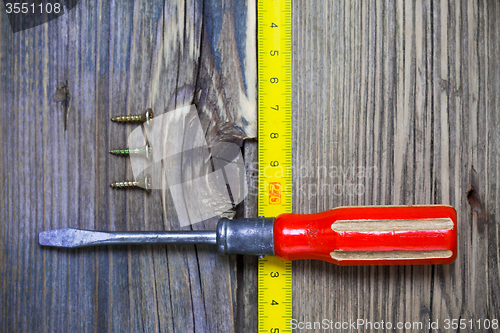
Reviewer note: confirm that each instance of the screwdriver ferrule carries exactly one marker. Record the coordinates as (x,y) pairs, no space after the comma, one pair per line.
(253,236)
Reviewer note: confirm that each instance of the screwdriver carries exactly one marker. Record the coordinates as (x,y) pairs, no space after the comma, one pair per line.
(346,236)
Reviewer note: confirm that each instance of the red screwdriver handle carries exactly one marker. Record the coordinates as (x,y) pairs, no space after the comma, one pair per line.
(370,235)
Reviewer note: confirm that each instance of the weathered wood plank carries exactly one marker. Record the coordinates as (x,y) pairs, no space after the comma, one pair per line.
(400,99)
(247,319)
(61,82)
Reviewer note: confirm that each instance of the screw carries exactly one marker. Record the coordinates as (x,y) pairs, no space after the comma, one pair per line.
(144,183)
(146,151)
(139,118)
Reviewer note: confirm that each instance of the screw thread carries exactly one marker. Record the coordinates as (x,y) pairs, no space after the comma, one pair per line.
(128,118)
(145,151)
(144,183)
(120,152)
(135,118)
(126,184)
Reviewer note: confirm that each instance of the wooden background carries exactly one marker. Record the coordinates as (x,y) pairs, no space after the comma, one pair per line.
(395,102)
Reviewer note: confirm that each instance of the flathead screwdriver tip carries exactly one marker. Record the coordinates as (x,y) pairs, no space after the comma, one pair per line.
(71,238)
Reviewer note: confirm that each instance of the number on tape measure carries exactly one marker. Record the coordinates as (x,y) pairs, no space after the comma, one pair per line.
(275,155)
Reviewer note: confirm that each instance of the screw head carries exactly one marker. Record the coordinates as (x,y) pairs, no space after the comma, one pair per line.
(148,115)
(145,182)
(148,151)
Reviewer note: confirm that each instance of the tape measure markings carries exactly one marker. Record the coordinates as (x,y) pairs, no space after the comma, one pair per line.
(275,125)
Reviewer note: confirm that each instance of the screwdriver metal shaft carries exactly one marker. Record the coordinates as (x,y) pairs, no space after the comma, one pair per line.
(74,238)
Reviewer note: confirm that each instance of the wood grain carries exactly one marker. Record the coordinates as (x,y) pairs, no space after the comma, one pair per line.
(396,102)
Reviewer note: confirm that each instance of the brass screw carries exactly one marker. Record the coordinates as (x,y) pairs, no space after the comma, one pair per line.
(139,118)
(144,183)
(146,151)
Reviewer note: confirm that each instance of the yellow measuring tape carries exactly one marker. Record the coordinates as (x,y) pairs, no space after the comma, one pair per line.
(275,154)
